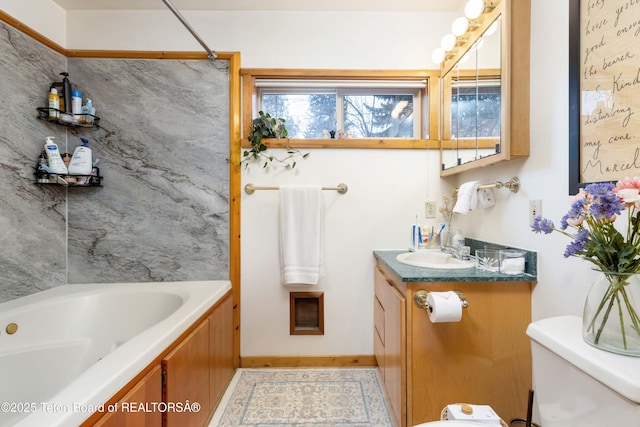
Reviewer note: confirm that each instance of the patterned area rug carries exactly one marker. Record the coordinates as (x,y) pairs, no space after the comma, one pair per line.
(303,397)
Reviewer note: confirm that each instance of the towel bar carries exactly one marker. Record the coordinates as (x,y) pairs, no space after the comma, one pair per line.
(251,188)
(513,184)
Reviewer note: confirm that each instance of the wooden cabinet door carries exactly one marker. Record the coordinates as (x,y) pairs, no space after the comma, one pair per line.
(221,349)
(395,353)
(148,390)
(187,379)
(380,283)
(378,332)
(485,358)
(395,361)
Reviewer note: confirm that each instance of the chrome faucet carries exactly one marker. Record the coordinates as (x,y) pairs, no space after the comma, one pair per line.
(449,250)
(459,252)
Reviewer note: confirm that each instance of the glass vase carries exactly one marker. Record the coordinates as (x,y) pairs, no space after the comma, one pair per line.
(610,319)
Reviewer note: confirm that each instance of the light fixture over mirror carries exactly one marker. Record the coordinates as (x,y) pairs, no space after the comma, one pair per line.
(474,8)
(448,42)
(438,55)
(459,28)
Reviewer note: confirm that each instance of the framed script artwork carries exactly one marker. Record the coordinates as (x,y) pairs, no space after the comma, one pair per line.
(604,91)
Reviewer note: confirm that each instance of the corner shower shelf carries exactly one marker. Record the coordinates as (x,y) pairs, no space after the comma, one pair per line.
(43,114)
(45,178)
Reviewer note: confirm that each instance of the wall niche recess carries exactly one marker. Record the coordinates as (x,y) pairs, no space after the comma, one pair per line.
(306,313)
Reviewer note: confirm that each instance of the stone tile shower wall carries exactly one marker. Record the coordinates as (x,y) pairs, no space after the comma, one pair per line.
(32,218)
(163,146)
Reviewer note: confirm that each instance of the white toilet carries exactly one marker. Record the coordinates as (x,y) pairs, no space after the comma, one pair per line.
(451,424)
(466,423)
(578,385)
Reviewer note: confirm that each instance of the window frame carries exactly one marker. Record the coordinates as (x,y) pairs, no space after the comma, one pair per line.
(430,102)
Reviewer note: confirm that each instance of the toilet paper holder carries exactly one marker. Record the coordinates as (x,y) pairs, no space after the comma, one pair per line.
(420,299)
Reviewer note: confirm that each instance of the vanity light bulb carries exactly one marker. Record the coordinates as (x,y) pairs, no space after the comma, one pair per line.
(460,26)
(438,56)
(448,42)
(474,8)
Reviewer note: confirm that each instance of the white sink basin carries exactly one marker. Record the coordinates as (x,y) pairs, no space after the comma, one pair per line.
(434,259)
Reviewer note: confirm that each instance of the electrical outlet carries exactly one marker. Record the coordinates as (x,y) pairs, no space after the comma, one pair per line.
(430,209)
(535,209)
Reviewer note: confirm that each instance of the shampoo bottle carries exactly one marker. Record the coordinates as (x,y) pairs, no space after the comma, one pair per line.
(81,160)
(54,105)
(60,90)
(53,156)
(76,104)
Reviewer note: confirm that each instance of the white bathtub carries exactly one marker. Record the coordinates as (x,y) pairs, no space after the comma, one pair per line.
(77,345)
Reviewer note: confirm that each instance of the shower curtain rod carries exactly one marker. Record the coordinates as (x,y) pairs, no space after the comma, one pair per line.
(212,55)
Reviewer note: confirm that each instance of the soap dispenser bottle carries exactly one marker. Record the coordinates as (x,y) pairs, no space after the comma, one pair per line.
(458,239)
(88,112)
(53,156)
(66,92)
(66,98)
(81,160)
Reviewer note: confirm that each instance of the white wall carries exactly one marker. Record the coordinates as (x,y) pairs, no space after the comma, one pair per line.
(44,16)
(386,187)
(269,39)
(562,283)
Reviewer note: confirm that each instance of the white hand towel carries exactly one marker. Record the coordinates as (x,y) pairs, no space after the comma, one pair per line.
(300,232)
(486,198)
(467,197)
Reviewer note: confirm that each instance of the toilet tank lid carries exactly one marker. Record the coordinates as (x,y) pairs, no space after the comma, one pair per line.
(451,424)
(563,336)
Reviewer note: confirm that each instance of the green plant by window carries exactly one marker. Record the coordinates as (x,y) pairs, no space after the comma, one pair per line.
(265,126)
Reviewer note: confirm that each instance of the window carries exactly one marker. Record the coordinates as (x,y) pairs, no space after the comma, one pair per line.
(314,112)
(391,108)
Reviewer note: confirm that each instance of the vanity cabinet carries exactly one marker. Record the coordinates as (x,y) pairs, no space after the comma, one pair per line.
(483,359)
(389,342)
(195,369)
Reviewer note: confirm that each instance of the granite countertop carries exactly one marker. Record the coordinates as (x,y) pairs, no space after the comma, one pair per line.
(409,273)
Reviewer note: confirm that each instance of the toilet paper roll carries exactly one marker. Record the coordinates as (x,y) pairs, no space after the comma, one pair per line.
(444,307)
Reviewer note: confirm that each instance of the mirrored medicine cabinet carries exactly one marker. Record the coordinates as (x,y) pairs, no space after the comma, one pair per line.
(484,90)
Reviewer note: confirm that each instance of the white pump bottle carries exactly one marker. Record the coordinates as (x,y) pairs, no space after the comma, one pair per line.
(54,158)
(81,160)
